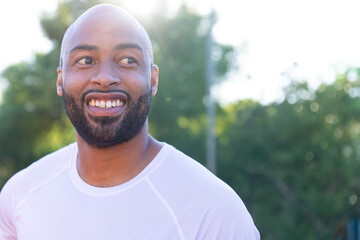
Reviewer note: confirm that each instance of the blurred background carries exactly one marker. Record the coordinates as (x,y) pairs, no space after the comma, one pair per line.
(264,93)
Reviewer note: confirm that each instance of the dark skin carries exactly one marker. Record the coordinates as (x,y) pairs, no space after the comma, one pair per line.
(92,60)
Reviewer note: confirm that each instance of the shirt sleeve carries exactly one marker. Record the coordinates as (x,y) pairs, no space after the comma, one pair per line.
(7,208)
(228,219)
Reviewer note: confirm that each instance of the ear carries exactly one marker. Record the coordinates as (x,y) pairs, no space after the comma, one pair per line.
(59,82)
(154,79)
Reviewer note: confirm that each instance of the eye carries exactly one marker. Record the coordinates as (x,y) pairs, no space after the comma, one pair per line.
(86,61)
(127,61)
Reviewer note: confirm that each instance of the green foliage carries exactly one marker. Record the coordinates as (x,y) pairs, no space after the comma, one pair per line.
(32,113)
(179,49)
(295,164)
(55,25)
(29,110)
(32,116)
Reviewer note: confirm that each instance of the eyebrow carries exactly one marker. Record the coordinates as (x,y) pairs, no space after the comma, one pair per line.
(122,46)
(84,47)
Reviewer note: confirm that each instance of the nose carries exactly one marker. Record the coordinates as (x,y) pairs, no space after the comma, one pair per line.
(105,75)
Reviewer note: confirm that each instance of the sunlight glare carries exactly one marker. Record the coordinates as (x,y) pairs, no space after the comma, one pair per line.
(141,8)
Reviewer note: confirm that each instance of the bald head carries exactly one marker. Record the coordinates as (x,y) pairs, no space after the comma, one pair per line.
(105,19)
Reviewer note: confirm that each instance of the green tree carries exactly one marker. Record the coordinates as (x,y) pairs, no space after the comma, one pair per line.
(34,122)
(178,113)
(295,163)
(33,116)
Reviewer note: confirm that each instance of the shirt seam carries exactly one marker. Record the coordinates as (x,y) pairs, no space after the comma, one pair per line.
(110,193)
(172,214)
(7,229)
(39,185)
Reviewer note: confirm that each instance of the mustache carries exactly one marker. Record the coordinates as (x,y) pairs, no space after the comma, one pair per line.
(102,91)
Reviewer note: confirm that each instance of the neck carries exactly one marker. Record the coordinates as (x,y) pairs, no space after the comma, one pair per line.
(107,167)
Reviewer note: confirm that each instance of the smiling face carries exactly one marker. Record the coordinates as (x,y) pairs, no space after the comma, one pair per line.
(106,76)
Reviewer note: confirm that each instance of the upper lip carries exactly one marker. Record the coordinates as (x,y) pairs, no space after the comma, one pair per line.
(106,96)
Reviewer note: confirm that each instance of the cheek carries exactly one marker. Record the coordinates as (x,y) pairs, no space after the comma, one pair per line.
(137,82)
(74,81)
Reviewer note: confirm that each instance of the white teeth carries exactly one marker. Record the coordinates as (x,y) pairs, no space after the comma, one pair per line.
(92,103)
(105,104)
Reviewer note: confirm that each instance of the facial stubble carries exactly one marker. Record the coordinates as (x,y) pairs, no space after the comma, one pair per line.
(103,132)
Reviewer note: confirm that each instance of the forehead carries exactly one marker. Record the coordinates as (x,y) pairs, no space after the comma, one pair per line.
(105,29)
(103,35)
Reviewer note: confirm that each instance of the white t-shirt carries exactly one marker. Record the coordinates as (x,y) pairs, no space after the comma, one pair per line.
(174,197)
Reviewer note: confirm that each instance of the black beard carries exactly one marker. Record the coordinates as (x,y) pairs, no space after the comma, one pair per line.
(108,131)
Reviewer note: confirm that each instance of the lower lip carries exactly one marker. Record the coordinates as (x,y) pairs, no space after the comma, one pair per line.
(105,112)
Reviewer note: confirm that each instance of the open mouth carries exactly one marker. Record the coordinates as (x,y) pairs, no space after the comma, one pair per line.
(106,103)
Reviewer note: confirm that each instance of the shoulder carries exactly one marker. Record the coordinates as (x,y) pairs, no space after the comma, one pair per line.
(42,169)
(23,182)
(182,171)
(199,197)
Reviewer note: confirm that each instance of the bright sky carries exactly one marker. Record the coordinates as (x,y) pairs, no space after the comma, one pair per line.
(321,37)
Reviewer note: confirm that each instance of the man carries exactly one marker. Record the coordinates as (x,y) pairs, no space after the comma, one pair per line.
(116,181)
